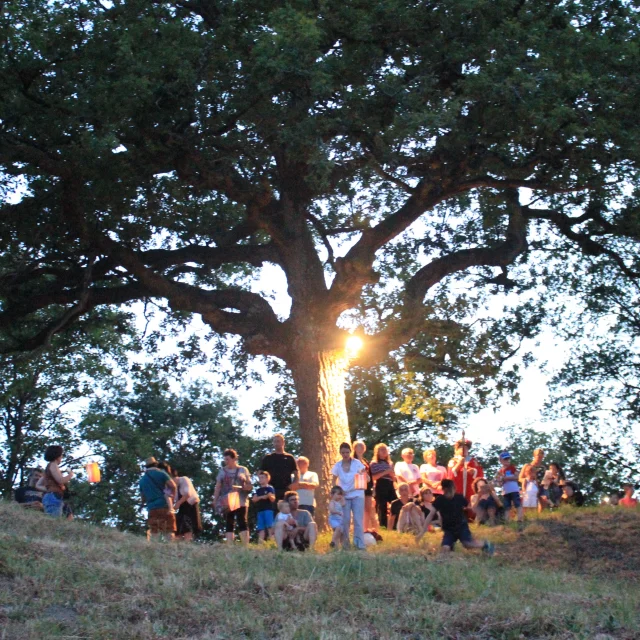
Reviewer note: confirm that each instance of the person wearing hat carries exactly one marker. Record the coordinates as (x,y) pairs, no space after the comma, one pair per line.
(161,519)
(508,479)
(463,470)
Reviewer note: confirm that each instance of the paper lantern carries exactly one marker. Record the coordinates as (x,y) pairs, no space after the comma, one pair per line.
(93,472)
(360,481)
(233,500)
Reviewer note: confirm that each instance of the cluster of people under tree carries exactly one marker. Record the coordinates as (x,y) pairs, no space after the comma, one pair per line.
(400,496)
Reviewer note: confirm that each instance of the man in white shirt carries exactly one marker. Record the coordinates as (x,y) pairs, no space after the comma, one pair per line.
(306,486)
(408,472)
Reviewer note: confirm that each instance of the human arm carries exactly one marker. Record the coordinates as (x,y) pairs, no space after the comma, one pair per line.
(387,472)
(312,483)
(171,485)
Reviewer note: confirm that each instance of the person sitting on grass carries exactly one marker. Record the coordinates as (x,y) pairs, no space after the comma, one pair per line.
(263,499)
(411,518)
(306,531)
(30,497)
(426,506)
(508,479)
(452,509)
(290,525)
(571,495)
(628,501)
(336,505)
(396,506)
(485,502)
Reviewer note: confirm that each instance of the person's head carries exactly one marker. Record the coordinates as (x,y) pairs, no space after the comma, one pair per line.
(448,488)
(556,470)
(480,485)
(614,499)
(430,457)
(53,453)
(230,458)
(337,493)
(407,455)
(538,456)
(175,473)
(263,478)
(151,463)
(426,494)
(569,488)
(292,499)
(284,507)
(381,452)
(505,459)
(345,450)
(165,467)
(359,448)
(462,447)
(404,491)
(303,464)
(278,443)
(34,476)
(628,490)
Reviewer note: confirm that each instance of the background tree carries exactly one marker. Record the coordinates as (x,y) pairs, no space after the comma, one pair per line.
(189,429)
(168,150)
(37,390)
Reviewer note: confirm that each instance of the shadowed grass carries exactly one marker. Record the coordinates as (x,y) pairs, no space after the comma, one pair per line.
(73,580)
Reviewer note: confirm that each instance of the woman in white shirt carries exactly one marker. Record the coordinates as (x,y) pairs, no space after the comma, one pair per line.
(408,472)
(345,475)
(432,473)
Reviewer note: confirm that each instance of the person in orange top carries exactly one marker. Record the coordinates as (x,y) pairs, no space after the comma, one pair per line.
(628,500)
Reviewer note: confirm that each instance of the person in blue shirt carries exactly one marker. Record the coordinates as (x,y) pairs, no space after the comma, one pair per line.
(263,499)
(158,490)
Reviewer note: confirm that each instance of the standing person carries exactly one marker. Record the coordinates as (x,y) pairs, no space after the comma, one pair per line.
(306,485)
(432,473)
(451,506)
(263,499)
(281,466)
(336,511)
(628,501)
(384,477)
(344,474)
(370,520)
(408,472)
(160,517)
(508,480)
(187,506)
(230,495)
(463,469)
(54,483)
(306,531)
(531,491)
(538,467)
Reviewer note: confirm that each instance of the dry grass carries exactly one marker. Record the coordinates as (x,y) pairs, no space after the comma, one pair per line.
(567,576)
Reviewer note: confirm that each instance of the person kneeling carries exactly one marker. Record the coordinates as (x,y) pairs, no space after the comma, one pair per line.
(452,509)
(304,535)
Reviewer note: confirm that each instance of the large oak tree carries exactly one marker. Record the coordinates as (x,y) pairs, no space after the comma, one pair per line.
(369,149)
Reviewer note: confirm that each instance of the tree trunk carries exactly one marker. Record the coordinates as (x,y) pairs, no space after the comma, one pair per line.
(319,380)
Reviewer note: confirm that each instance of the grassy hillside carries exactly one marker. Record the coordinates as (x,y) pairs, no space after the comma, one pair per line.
(567,576)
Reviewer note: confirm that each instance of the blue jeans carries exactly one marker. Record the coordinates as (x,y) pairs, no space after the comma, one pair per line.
(355,505)
(53,504)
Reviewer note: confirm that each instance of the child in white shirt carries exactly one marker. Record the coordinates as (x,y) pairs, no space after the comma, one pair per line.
(336,505)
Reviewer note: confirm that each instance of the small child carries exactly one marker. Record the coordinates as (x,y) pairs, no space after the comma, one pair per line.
(628,501)
(284,515)
(485,502)
(508,479)
(336,505)
(263,499)
(530,489)
(451,507)
(427,508)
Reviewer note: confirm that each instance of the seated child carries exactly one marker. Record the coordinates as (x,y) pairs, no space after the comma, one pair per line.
(451,507)
(336,505)
(284,515)
(427,508)
(628,501)
(571,495)
(530,490)
(397,505)
(485,502)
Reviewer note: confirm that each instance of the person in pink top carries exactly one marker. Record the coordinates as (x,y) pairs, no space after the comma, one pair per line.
(628,500)
(432,473)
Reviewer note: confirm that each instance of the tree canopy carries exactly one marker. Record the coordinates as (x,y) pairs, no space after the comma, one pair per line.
(386,156)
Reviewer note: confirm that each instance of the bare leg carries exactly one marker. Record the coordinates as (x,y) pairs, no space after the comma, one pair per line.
(244,537)
(229,536)
(188,537)
(311,534)
(279,534)
(261,536)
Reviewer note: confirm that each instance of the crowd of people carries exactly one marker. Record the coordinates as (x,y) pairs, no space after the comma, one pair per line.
(366,496)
